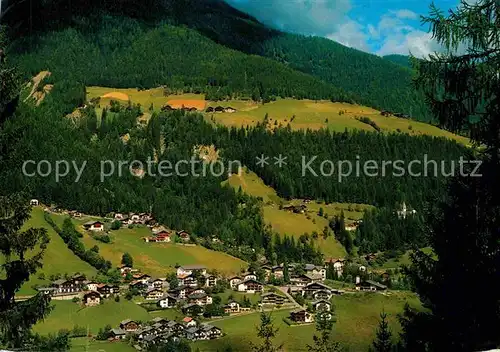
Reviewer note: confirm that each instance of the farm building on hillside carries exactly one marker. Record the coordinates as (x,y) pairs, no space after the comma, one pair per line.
(92,298)
(250,286)
(369,285)
(185,270)
(94,226)
(301,316)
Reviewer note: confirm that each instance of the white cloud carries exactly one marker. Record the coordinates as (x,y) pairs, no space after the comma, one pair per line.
(351,34)
(405,14)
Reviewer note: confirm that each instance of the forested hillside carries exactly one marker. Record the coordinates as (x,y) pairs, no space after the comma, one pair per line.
(101,45)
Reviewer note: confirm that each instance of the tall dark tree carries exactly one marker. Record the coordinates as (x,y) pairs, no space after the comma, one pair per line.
(266,332)
(462,90)
(21,252)
(323,341)
(383,341)
(127,260)
(9,82)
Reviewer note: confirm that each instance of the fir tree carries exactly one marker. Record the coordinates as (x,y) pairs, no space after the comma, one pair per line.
(266,332)
(383,341)
(462,89)
(323,340)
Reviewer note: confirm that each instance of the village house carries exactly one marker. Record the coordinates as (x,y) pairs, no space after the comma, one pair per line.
(234,282)
(94,226)
(179,291)
(369,285)
(338,265)
(34,202)
(249,276)
(318,291)
(195,334)
(63,286)
(124,269)
(232,307)
(92,298)
(175,327)
(211,331)
(201,299)
(90,285)
(129,325)
(167,301)
(250,286)
(229,110)
(189,269)
(118,334)
(278,271)
(210,280)
(156,283)
(192,309)
(301,316)
(301,280)
(322,306)
(138,285)
(316,272)
(272,298)
(184,236)
(144,278)
(153,294)
(188,280)
(106,289)
(189,322)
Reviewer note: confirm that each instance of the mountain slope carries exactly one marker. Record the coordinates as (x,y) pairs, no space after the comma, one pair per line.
(372,80)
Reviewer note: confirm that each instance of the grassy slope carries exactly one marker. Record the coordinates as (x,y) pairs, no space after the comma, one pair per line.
(296,225)
(155,258)
(308,113)
(357,320)
(67,314)
(58,258)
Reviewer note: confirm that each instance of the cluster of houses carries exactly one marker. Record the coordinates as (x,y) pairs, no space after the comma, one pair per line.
(220,109)
(90,292)
(162,235)
(160,330)
(125,219)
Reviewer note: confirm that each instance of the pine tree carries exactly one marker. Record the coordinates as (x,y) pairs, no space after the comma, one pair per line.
(323,341)
(127,260)
(23,252)
(462,90)
(383,341)
(266,332)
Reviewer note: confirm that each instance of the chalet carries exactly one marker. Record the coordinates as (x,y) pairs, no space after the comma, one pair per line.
(167,301)
(129,325)
(188,280)
(311,289)
(210,109)
(179,291)
(79,279)
(167,108)
(211,331)
(175,327)
(144,278)
(138,285)
(189,269)
(135,218)
(192,309)
(301,316)
(316,272)
(273,298)
(219,109)
(201,299)
(106,290)
(301,280)
(142,333)
(94,226)
(322,295)
(34,202)
(195,334)
(250,286)
(232,307)
(249,276)
(229,110)
(124,269)
(163,236)
(118,334)
(184,235)
(90,285)
(369,285)
(159,320)
(66,286)
(234,282)
(278,271)
(297,209)
(338,265)
(153,294)
(92,298)
(189,322)
(156,283)
(322,306)
(210,280)
(120,217)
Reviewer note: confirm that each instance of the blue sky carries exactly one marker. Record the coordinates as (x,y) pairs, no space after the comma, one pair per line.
(378,26)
